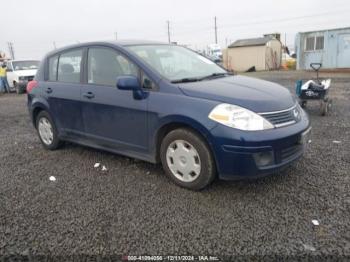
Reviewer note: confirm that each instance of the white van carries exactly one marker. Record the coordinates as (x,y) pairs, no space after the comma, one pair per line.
(20,72)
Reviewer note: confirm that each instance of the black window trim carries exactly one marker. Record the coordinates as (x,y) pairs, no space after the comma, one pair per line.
(155,86)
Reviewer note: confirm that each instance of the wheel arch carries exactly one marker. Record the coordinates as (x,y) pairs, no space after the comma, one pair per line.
(36,109)
(175,123)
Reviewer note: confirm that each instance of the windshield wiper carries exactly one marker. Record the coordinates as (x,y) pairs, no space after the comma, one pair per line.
(186,80)
(214,75)
(195,79)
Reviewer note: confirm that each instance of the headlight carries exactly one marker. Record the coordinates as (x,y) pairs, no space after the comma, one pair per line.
(239,117)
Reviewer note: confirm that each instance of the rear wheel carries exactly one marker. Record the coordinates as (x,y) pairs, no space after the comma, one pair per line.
(187,159)
(47,131)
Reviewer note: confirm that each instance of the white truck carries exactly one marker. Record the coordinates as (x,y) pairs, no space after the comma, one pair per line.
(214,50)
(20,72)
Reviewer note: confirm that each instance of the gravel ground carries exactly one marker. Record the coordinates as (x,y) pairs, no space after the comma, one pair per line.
(133,209)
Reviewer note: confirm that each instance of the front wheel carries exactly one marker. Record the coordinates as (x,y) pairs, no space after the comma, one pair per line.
(187,159)
(19,90)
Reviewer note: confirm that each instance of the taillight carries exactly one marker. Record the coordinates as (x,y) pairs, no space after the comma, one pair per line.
(31,85)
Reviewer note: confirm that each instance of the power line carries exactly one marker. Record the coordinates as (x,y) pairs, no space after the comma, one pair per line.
(263,22)
(284,19)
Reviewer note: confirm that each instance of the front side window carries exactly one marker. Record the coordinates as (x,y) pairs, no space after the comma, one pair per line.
(69,65)
(106,64)
(176,62)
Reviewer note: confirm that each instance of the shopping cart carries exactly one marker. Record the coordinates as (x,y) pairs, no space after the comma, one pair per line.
(315,90)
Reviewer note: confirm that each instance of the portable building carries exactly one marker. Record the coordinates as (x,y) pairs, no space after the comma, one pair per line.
(330,47)
(263,53)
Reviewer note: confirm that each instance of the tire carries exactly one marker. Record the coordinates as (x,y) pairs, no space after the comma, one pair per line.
(303,104)
(18,89)
(50,141)
(181,152)
(324,107)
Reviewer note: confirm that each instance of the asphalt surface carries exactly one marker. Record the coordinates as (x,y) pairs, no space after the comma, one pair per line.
(133,209)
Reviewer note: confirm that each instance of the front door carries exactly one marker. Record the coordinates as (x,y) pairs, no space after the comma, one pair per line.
(343,51)
(112,117)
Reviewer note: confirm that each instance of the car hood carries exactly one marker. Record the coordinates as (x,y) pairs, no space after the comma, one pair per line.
(31,72)
(254,94)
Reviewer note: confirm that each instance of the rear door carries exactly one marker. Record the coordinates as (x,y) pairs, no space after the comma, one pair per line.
(63,91)
(112,117)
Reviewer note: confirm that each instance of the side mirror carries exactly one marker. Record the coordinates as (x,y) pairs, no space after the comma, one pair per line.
(128,83)
(131,83)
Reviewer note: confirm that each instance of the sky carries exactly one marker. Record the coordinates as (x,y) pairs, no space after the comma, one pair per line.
(36,27)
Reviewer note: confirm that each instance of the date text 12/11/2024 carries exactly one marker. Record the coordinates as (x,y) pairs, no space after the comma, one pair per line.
(169,258)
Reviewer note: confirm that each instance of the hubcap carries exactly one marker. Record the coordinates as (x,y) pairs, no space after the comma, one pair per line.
(183,161)
(45,131)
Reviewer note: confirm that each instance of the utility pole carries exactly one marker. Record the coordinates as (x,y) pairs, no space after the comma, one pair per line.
(54,45)
(11,50)
(216,31)
(168,23)
(285,39)
(116,36)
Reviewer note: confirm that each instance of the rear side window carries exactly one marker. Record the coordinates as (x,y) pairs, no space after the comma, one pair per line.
(105,65)
(69,65)
(53,61)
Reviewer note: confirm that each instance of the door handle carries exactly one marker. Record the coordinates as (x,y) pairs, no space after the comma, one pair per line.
(49,90)
(89,95)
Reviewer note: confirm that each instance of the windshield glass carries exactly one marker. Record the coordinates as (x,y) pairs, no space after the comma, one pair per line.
(25,65)
(176,62)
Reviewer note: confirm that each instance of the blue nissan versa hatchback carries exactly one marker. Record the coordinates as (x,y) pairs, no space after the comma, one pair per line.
(165,103)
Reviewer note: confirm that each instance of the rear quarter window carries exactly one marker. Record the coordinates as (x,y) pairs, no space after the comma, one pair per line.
(53,62)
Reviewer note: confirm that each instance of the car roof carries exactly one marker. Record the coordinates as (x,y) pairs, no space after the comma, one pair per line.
(120,43)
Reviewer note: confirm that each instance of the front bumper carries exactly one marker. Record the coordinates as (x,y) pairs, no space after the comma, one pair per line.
(249,155)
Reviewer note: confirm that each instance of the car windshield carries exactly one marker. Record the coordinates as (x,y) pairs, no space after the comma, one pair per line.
(176,63)
(25,65)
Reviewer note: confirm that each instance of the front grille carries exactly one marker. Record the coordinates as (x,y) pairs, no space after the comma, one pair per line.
(284,117)
(29,78)
(290,152)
